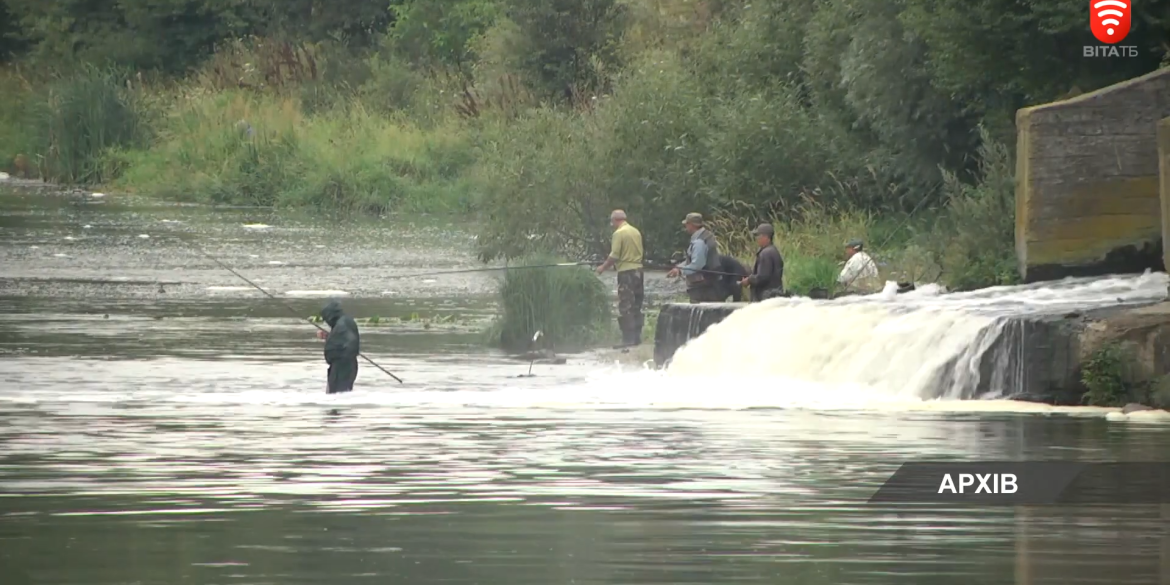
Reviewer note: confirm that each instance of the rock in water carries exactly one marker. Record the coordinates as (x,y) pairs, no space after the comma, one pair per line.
(1135,407)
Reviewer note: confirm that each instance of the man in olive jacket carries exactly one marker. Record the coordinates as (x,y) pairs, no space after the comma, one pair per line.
(767,279)
(342,346)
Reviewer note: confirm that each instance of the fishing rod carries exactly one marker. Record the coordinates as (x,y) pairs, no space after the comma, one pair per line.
(561,265)
(489,269)
(286,305)
(715,272)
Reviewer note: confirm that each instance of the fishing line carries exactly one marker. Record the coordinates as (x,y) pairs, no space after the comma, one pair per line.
(286,305)
(509,268)
(470,270)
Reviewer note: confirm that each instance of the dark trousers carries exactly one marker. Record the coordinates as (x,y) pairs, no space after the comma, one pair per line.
(631,291)
(731,288)
(765,294)
(342,375)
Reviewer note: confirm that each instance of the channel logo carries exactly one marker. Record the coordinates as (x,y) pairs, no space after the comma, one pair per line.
(1109,20)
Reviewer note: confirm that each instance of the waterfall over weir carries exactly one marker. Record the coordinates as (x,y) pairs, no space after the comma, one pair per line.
(918,345)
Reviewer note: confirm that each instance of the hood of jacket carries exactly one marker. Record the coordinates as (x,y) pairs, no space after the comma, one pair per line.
(331,313)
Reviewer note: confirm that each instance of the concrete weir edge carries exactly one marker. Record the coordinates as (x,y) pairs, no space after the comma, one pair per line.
(1050,351)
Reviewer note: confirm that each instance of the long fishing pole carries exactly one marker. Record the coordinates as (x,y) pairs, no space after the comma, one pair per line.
(286,305)
(488,269)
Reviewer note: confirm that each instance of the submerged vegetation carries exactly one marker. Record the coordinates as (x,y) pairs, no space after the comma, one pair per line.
(886,120)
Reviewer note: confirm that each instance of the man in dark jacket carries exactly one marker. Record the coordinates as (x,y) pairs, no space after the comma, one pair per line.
(342,346)
(733,272)
(767,279)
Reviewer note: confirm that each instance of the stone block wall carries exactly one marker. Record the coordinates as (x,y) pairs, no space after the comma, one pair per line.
(679,323)
(1087,182)
(1164,182)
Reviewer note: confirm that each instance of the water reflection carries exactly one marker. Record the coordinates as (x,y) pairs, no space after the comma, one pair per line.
(277,494)
(185,438)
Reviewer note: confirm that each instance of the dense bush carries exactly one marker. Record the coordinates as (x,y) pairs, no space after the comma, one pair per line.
(68,128)
(1106,376)
(568,305)
(234,147)
(835,119)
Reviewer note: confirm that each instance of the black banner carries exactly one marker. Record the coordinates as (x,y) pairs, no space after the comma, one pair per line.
(1015,483)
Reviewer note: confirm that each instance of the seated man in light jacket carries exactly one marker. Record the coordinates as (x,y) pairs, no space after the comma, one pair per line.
(860,274)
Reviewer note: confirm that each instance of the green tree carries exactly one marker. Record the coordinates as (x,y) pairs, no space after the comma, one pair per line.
(356,22)
(997,56)
(170,35)
(569,46)
(12,41)
(433,35)
(174,35)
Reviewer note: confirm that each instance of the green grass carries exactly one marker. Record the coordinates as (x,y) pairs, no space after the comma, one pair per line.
(1104,377)
(68,128)
(245,148)
(966,241)
(19,134)
(569,305)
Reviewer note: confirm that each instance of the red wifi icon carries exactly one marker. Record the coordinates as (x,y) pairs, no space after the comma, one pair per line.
(1109,20)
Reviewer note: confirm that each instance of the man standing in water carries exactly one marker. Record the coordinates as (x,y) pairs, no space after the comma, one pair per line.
(860,274)
(767,279)
(626,257)
(342,346)
(701,261)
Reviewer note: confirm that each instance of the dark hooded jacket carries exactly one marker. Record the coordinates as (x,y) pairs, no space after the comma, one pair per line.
(341,348)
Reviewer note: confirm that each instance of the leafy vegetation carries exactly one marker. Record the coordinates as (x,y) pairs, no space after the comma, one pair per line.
(1104,375)
(569,306)
(887,120)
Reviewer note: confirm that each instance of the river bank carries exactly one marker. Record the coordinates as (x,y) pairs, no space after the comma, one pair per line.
(192,143)
(73,243)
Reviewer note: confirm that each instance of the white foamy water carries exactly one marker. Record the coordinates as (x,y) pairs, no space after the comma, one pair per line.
(886,347)
(471,383)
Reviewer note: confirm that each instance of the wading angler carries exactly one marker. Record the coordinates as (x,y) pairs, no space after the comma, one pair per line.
(625,256)
(342,347)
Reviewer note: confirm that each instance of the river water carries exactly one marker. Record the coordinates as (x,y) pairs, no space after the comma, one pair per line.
(182,435)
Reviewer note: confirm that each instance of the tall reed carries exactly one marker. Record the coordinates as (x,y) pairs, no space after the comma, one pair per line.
(85,116)
(568,305)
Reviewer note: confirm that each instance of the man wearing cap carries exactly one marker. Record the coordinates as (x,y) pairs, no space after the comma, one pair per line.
(860,274)
(702,260)
(767,279)
(626,257)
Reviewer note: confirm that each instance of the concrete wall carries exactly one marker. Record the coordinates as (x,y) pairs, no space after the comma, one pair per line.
(1164,183)
(1038,358)
(1087,182)
(679,323)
